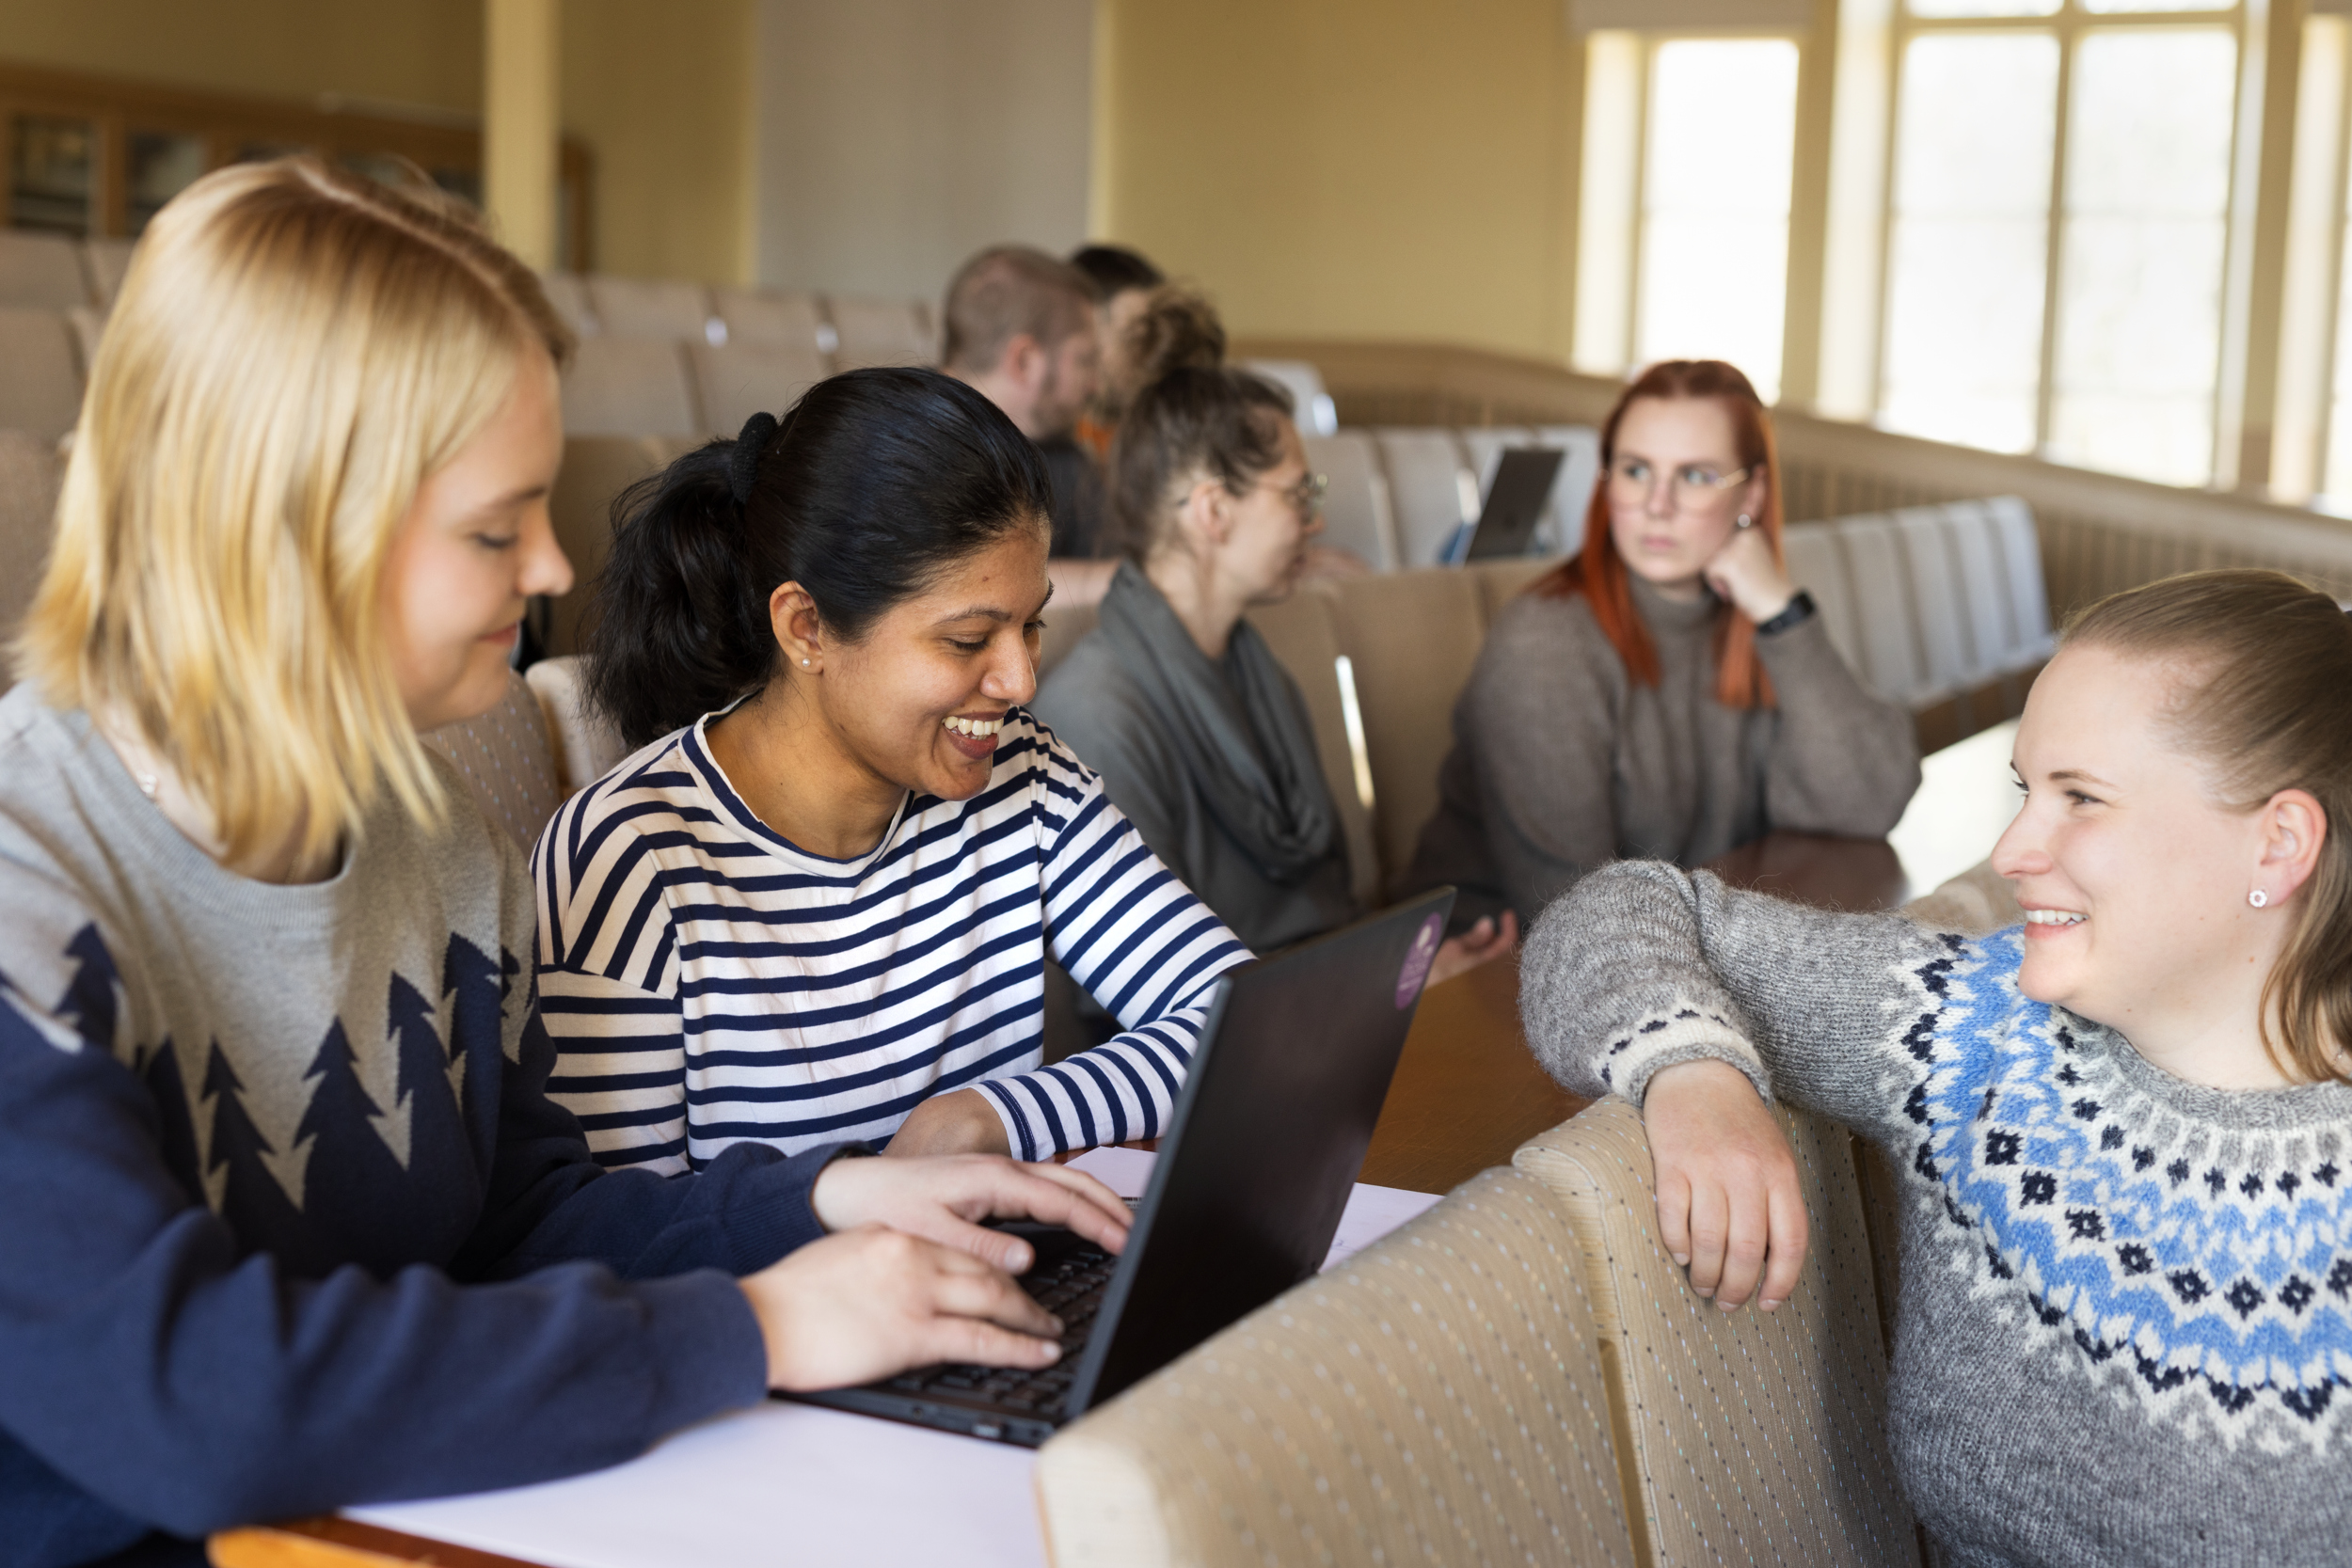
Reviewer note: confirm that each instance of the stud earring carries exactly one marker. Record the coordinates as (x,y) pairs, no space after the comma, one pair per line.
(804,664)
(2257,898)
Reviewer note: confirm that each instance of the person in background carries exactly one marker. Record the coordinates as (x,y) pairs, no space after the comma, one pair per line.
(817,901)
(294,1224)
(1021,327)
(1202,738)
(1667,693)
(1124,280)
(2121,1131)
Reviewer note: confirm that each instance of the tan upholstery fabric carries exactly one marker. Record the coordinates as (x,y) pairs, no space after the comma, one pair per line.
(567,292)
(585,746)
(1304,635)
(1425,470)
(1752,1436)
(1435,1399)
(628,387)
(1412,636)
(787,320)
(1501,582)
(41,271)
(507,762)
(40,379)
(1973,903)
(1355,512)
(649,307)
(597,468)
(30,472)
(738,380)
(881,332)
(1818,562)
(108,262)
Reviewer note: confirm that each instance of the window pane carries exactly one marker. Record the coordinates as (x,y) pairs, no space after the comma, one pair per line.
(2140,282)
(1713,284)
(2336,478)
(1968,259)
(2108,7)
(49,187)
(1984,7)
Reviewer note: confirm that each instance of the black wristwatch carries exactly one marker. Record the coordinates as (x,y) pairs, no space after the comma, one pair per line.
(1795,614)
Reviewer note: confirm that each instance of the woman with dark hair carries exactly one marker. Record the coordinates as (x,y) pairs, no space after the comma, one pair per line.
(1667,693)
(817,902)
(1202,738)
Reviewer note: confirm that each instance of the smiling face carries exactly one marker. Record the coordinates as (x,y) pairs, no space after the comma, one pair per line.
(475,545)
(1665,527)
(918,700)
(2134,881)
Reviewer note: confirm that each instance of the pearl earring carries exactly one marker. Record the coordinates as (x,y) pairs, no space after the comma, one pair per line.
(804,664)
(2257,898)
(1743,521)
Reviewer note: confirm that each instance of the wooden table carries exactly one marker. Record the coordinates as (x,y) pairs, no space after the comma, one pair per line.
(1467,1093)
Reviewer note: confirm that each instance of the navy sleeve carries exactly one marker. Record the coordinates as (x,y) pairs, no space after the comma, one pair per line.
(145,1361)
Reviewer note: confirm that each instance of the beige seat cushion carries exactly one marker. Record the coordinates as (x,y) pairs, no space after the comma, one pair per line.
(1752,1436)
(1435,1399)
(41,271)
(1303,633)
(628,387)
(649,307)
(30,472)
(870,332)
(781,317)
(738,380)
(507,760)
(40,377)
(586,747)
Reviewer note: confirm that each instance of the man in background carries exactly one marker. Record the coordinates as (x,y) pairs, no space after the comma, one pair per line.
(1021,330)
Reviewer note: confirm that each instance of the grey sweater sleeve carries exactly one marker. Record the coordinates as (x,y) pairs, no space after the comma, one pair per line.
(1539,717)
(1844,760)
(1642,966)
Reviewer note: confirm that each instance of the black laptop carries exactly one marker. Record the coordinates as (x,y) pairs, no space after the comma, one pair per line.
(1257,1163)
(1515,506)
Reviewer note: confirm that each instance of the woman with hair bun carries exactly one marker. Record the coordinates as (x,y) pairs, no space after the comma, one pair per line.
(1667,692)
(2120,1131)
(817,903)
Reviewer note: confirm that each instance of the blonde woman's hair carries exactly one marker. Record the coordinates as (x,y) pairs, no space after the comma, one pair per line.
(2262,696)
(293,351)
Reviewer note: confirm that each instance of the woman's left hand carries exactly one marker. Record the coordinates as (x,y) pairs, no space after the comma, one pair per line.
(962,1121)
(950,1201)
(1745,573)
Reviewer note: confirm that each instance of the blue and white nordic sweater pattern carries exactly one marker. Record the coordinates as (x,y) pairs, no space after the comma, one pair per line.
(2216,1268)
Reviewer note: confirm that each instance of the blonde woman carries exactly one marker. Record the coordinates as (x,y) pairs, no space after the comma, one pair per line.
(2123,1130)
(293,1222)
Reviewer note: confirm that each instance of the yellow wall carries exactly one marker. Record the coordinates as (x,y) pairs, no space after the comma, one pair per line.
(1366,168)
(662,93)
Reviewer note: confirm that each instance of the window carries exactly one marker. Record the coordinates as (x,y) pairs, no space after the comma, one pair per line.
(1684,205)
(2059,228)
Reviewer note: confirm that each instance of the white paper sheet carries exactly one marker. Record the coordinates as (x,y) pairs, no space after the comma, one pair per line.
(791,1483)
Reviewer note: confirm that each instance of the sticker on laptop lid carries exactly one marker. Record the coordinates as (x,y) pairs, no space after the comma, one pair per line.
(1417,962)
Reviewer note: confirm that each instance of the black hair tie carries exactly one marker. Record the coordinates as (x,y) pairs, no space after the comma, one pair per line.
(743,462)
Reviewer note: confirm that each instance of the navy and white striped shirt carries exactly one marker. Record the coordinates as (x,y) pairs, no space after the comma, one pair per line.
(707,982)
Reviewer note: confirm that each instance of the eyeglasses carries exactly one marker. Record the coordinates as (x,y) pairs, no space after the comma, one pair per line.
(1692,485)
(1306,497)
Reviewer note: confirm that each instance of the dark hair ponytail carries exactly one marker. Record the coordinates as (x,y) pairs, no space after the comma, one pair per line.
(872,483)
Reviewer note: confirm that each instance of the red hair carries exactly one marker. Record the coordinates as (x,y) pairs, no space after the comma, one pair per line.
(1599,572)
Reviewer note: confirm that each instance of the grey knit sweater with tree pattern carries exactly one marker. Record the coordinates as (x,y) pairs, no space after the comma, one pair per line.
(2124,1333)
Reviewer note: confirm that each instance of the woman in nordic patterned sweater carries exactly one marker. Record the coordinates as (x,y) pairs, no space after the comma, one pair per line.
(2123,1128)
(818,903)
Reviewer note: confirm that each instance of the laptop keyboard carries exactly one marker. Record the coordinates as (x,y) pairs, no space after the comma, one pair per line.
(1071,1289)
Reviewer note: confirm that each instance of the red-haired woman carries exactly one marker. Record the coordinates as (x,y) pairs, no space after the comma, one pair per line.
(1667,693)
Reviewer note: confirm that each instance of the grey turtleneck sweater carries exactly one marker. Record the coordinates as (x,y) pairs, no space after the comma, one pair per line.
(2124,1334)
(1561,764)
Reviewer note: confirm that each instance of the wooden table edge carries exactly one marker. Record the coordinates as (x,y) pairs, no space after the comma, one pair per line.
(330,1541)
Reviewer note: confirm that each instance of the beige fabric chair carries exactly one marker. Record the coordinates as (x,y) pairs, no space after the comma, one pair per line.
(41,271)
(783,318)
(1303,633)
(30,472)
(106,262)
(1977,901)
(88,325)
(1412,638)
(1892,661)
(1066,625)
(597,468)
(586,748)
(41,380)
(507,762)
(869,332)
(1427,480)
(1356,516)
(567,292)
(1819,565)
(1572,492)
(628,387)
(1435,1399)
(738,380)
(1746,1436)
(2020,558)
(1501,582)
(650,307)
(1936,598)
